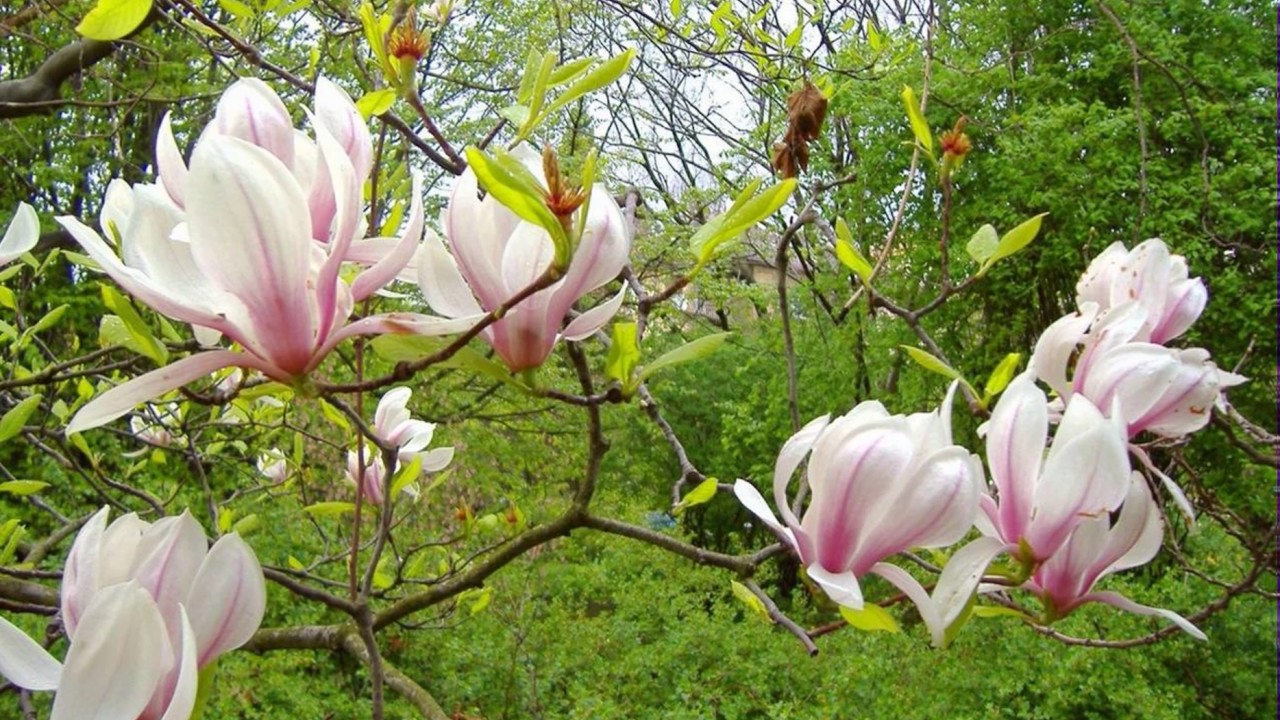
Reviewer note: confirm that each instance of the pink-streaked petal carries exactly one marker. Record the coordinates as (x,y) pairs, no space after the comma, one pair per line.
(528,253)
(1095,285)
(915,591)
(80,575)
(400,323)
(24,663)
(1056,345)
(440,281)
(251,111)
(121,399)
(389,266)
(477,231)
(338,115)
(753,501)
(586,324)
(228,598)
(251,234)
(842,587)
(392,411)
(138,284)
(21,235)
(1124,603)
(346,225)
(1138,531)
(172,550)
(1179,497)
(187,683)
(1015,449)
(124,539)
(525,336)
(118,659)
(602,250)
(1187,301)
(937,508)
(789,458)
(170,166)
(962,573)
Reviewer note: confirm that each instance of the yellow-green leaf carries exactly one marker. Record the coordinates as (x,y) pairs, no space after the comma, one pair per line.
(919,127)
(246,524)
(983,244)
(1001,376)
(623,355)
(600,76)
(1017,238)
(376,102)
(930,363)
(113,19)
(329,509)
(295,563)
(14,420)
(22,488)
(690,351)
(748,598)
(848,254)
(511,184)
(871,618)
(697,496)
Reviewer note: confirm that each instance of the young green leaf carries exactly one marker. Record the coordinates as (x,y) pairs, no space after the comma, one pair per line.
(383,575)
(531,65)
(22,488)
(849,255)
(930,363)
(871,618)
(983,244)
(246,524)
(600,76)
(712,237)
(919,127)
(1017,238)
(623,355)
(690,351)
(406,475)
(569,71)
(113,19)
(376,102)
(329,509)
(748,598)
(14,420)
(697,496)
(1001,376)
(142,336)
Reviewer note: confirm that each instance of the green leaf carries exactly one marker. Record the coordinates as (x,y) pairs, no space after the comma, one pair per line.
(236,8)
(225,519)
(407,474)
(7,298)
(919,127)
(711,238)
(1017,238)
(983,244)
(517,115)
(600,76)
(538,95)
(697,496)
(383,577)
(113,19)
(748,598)
(376,102)
(675,8)
(930,363)
(329,509)
(995,611)
(481,599)
(873,36)
(848,254)
(405,348)
(623,355)
(13,533)
(511,184)
(16,419)
(145,342)
(46,321)
(1001,376)
(335,416)
(794,37)
(295,563)
(690,351)
(531,65)
(871,618)
(246,524)
(22,488)
(569,71)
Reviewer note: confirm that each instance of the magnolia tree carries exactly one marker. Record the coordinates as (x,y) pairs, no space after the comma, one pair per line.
(274,285)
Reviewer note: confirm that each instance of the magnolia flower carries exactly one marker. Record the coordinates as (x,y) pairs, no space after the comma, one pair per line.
(153,603)
(1099,547)
(227,244)
(1154,279)
(157,428)
(273,465)
(1162,390)
(881,484)
(495,255)
(394,426)
(21,235)
(122,664)
(373,478)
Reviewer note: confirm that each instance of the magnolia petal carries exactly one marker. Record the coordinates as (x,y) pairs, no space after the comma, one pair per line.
(789,458)
(1015,450)
(187,683)
(586,324)
(1186,303)
(1056,345)
(117,206)
(1117,600)
(251,234)
(962,573)
(170,166)
(80,574)
(753,501)
(1138,532)
(121,399)
(441,283)
(338,115)
(436,459)
(841,587)
(328,310)
(228,598)
(392,412)
(478,231)
(916,593)
(24,663)
(118,659)
(602,250)
(173,549)
(400,323)
(389,266)
(22,234)
(251,111)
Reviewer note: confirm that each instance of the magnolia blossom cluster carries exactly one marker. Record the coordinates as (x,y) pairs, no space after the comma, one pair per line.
(1067,507)
(145,606)
(393,426)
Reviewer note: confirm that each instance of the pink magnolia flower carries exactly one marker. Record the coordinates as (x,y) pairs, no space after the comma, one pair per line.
(122,659)
(149,598)
(238,256)
(1100,547)
(880,484)
(373,478)
(395,426)
(1154,279)
(21,235)
(495,255)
